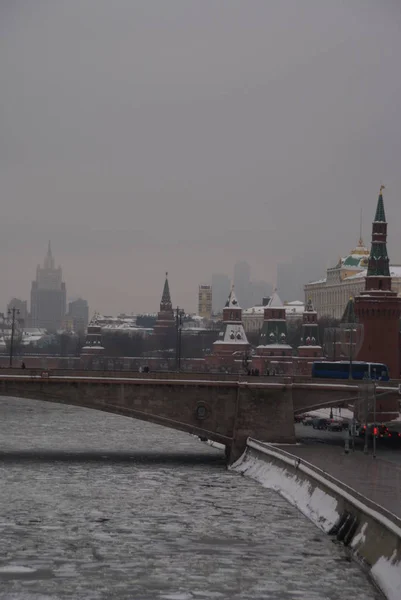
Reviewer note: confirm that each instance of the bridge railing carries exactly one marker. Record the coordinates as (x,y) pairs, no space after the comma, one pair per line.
(173,375)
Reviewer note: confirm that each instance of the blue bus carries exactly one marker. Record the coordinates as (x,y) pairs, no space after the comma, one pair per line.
(341,370)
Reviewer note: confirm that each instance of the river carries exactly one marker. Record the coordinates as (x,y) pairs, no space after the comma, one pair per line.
(97,507)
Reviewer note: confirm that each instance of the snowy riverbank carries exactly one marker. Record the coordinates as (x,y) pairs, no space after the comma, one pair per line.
(374,539)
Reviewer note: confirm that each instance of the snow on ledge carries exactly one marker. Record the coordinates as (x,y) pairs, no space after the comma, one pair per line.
(320,507)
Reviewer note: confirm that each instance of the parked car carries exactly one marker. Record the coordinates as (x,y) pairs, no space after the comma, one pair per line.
(308,420)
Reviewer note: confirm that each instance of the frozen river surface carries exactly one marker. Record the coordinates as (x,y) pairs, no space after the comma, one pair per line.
(95,506)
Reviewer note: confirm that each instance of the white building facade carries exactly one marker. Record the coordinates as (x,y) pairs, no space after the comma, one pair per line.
(346,280)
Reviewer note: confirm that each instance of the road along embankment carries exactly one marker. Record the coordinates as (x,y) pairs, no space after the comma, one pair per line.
(372,533)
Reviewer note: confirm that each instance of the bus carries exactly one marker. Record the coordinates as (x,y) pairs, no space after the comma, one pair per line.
(341,370)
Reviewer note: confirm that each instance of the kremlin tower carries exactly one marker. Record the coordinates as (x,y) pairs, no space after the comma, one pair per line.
(273,340)
(165,322)
(309,347)
(378,308)
(232,345)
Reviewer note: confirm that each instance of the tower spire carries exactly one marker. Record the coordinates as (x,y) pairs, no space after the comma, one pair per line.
(378,308)
(379,264)
(360,230)
(49,260)
(380,216)
(166,298)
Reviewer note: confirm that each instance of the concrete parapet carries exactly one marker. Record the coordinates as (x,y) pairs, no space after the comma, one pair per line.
(370,531)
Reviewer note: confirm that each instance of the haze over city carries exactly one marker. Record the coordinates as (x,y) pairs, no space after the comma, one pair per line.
(147,136)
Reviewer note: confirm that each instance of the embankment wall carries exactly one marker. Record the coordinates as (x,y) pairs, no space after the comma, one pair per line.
(372,533)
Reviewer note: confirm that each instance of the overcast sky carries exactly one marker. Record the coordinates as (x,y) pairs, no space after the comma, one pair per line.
(183,135)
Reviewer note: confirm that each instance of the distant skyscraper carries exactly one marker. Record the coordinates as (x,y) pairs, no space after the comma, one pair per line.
(205,301)
(48,295)
(242,280)
(288,283)
(259,290)
(78,311)
(220,291)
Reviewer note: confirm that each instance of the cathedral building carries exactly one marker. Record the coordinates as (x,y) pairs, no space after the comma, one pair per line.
(48,296)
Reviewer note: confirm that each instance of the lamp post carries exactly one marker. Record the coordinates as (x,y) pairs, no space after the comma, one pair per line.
(178,324)
(12,312)
(374,419)
(350,351)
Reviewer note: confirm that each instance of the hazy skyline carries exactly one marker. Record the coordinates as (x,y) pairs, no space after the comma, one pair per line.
(183,136)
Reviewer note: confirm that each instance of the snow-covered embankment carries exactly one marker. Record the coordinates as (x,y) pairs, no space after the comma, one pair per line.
(373,534)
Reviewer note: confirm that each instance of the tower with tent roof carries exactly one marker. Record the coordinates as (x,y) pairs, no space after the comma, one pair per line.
(274,354)
(165,322)
(231,348)
(309,348)
(378,308)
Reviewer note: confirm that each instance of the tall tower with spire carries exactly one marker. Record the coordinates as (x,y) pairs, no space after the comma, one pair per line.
(48,295)
(165,318)
(378,308)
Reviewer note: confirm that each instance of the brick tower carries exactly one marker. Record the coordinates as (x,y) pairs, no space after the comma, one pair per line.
(274,354)
(165,322)
(309,346)
(378,308)
(232,346)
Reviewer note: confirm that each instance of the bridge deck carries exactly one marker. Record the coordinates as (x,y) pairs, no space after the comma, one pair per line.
(377,479)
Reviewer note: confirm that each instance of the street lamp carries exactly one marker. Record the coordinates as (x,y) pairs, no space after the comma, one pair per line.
(178,324)
(350,351)
(12,312)
(374,419)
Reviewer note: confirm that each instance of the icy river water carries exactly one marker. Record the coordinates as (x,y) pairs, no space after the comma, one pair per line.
(95,506)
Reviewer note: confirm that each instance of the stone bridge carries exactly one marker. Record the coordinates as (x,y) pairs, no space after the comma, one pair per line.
(224,409)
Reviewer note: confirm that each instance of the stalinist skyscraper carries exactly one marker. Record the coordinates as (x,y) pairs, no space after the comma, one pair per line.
(48,295)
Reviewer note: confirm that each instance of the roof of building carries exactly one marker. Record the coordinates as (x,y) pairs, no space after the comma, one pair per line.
(380,214)
(232,301)
(166,298)
(275,301)
(395,271)
(291,308)
(233,334)
(349,312)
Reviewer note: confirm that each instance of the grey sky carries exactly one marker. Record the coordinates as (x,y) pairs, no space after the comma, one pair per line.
(184,135)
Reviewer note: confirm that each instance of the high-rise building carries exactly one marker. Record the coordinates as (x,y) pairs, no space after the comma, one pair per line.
(259,290)
(78,311)
(48,295)
(242,280)
(220,291)
(205,301)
